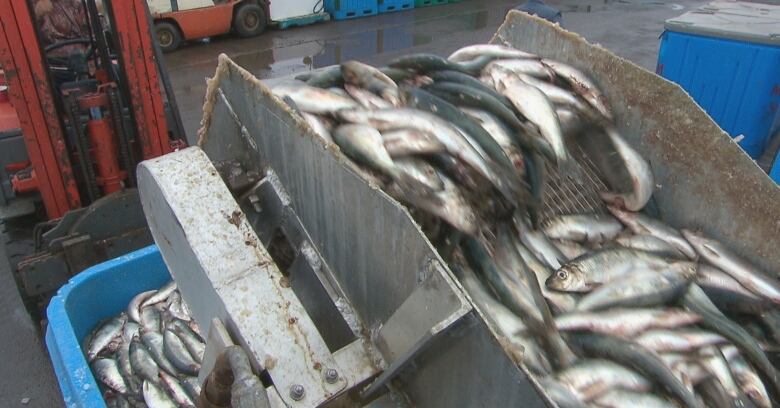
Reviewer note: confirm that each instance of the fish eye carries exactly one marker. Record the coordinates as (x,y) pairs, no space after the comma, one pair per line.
(562,274)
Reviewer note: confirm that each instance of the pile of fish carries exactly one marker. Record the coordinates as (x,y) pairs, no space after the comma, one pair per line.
(612,308)
(149,355)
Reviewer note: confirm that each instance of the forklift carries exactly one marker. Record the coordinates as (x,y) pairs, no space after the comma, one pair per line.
(84,120)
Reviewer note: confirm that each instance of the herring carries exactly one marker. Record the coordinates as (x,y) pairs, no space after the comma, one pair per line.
(105,335)
(500,51)
(595,228)
(176,352)
(641,224)
(592,378)
(750,276)
(107,371)
(161,294)
(176,390)
(407,142)
(134,307)
(154,343)
(585,273)
(664,340)
(626,322)
(639,171)
(154,397)
(581,84)
(650,243)
(315,100)
(142,362)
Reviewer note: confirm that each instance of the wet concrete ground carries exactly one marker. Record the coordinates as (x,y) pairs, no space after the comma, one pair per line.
(630,28)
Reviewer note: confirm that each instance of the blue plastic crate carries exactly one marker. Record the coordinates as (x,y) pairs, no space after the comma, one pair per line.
(344,9)
(727,61)
(386,6)
(95,294)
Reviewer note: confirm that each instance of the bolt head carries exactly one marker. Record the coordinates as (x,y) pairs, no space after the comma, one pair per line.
(331,375)
(297,392)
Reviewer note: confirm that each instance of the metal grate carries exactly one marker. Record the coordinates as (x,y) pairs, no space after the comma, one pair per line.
(565,195)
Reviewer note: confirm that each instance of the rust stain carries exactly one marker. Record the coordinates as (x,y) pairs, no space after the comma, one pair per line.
(269,363)
(317,366)
(235,218)
(284,282)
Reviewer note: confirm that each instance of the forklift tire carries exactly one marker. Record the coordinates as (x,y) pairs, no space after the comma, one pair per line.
(250,20)
(167,36)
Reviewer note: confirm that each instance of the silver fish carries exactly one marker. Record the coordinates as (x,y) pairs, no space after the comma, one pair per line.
(539,245)
(591,378)
(364,144)
(569,249)
(626,322)
(747,379)
(727,292)
(191,385)
(687,369)
(663,340)
(420,171)
(150,318)
(562,302)
(176,352)
(639,171)
(752,278)
(650,243)
(130,331)
(155,344)
(530,67)
(470,52)
(535,106)
(448,204)
(713,361)
(500,133)
(581,84)
(315,100)
(154,397)
(506,323)
(105,335)
(641,224)
(176,390)
(192,341)
(107,371)
(560,394)
(161,294)
(641,288)
(555,94)
(175,307)
(370,78)
(570,121)
(596,268)
(366,99)
(449,136)
(406,142)
(126,367)
(142,362)
(134,307)
(630,399)
(583,227)
(318,126)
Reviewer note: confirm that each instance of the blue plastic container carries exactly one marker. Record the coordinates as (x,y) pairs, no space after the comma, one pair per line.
(344,9)
(725,57)
(98,293)
(386,6)
(775,172)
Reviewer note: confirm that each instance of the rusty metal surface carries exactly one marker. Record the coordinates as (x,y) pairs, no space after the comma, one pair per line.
(703,179)
(223,271)
(369,242)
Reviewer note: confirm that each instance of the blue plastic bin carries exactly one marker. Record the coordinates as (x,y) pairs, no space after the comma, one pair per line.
(344,9)
(725,57)
(95,294)
(386,6)
(775,172)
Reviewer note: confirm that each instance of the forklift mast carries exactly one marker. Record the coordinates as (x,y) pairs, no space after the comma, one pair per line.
(44,115)
(87,119)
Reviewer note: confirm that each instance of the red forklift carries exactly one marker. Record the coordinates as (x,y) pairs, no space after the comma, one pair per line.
(72,129)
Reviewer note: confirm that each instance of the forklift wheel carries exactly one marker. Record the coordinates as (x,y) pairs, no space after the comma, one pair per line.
(250,20)
(168,36)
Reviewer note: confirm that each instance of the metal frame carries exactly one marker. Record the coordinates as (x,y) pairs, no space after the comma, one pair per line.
(29,90)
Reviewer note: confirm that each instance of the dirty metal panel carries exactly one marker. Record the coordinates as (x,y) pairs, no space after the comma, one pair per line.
(703,179)
(224,272)
(368,241)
